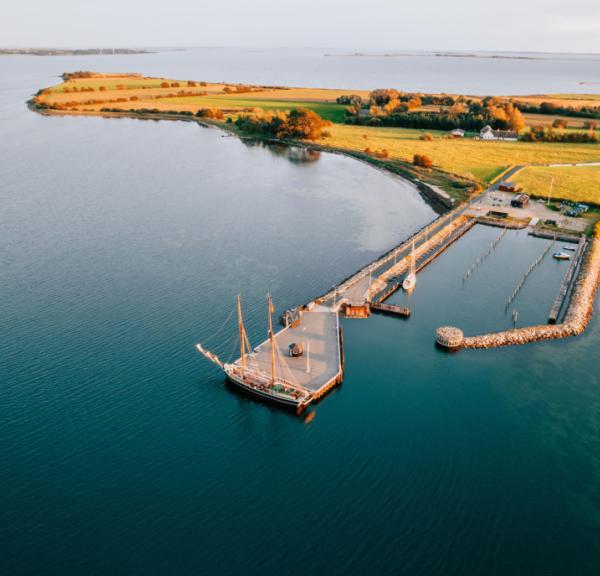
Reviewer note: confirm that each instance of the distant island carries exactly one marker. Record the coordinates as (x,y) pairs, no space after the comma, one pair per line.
(71,52)
(437,54)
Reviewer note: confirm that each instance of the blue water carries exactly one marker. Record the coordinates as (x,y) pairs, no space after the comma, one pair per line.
(124,242)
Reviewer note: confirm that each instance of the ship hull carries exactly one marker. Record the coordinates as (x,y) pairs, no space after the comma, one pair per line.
(286,403)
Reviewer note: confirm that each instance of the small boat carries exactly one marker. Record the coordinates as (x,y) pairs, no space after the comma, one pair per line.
(409,283)
(561,256)
(570,248)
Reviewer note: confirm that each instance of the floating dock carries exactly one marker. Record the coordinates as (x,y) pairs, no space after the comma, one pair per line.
(567,283)
(391,309)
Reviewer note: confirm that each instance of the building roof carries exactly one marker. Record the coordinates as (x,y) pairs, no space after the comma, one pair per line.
(499,133)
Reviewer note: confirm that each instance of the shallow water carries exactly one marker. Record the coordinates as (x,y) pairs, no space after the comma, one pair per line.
(124,242)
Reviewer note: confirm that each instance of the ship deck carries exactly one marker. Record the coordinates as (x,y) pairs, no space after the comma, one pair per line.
(320,365)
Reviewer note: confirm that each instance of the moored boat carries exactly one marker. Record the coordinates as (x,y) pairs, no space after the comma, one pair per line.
(409,283)
(245,375)
(561,256)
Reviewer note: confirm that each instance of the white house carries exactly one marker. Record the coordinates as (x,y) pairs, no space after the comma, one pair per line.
(488,133)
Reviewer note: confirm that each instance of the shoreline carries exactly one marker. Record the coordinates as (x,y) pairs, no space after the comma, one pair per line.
(438,201)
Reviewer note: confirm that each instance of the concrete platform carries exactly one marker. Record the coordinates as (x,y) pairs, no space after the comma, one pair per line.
(318,332)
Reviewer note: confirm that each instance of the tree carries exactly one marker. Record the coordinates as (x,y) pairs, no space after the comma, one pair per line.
(304,124)
(560,123)
(382,96)
(515,120)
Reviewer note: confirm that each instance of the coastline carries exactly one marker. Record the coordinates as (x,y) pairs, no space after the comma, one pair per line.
(439,201)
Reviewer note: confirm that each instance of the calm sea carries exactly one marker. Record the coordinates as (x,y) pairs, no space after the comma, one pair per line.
(124,242)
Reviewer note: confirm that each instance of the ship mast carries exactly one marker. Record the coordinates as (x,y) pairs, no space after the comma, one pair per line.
(242,336)
(271,336)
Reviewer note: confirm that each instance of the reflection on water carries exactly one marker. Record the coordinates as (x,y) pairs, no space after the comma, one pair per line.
(295,154)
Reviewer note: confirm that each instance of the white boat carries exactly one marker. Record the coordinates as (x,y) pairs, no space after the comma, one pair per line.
(570,248)
(409,283)
(561,256)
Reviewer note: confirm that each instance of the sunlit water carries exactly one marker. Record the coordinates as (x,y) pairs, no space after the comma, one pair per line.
(124,242)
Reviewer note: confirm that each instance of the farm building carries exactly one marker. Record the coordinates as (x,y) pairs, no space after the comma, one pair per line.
(457,133)
(508,187)
(488,133)
(520,201)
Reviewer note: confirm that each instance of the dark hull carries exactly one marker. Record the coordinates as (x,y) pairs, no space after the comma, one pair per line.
(291,404)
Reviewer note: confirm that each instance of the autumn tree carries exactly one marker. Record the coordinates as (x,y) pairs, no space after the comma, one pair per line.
(515,120)
(422,161)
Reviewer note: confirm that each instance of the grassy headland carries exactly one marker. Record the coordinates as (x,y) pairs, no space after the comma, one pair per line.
(458,166)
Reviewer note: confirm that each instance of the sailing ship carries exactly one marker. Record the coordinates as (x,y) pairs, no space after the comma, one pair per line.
(246,375)
(410,281)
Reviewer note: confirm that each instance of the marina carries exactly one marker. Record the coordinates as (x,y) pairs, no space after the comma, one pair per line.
(270,371)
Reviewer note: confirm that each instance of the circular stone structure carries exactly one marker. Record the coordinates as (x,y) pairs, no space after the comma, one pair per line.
(449,337)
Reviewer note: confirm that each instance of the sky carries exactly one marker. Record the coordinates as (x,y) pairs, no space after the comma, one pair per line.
(510,25)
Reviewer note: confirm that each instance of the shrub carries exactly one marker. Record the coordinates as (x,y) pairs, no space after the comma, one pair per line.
(350,100)
(422,161)
(427,137)
(215,113)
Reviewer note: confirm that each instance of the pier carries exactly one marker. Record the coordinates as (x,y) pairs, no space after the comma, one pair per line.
(307,355)
(391,309)
(567,283)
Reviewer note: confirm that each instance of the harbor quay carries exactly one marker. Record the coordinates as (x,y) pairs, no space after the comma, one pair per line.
(300,363)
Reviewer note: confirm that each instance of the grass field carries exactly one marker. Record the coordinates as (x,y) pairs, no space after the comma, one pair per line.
(327,110)
(578,183)
(470,158)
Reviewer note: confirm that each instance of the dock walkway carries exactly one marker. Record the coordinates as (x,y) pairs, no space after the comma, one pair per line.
(566,283)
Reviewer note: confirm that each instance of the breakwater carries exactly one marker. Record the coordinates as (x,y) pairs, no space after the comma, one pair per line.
(576,319)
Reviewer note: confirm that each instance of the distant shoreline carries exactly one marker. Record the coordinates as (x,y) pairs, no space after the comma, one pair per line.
(71,52)
(435,54)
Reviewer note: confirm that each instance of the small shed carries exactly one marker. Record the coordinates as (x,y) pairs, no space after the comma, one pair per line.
(457,133)
(295,349)
(520,201)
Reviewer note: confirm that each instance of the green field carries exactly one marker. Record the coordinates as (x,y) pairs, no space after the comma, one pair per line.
(327,110)
(577,183)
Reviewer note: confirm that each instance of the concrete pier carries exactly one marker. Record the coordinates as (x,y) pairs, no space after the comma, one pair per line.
(320,366)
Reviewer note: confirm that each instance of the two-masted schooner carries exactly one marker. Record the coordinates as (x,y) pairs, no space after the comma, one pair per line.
(246,375)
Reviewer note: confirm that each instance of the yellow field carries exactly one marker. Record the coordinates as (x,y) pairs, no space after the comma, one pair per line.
(574,100)
(577,183)
(471,158)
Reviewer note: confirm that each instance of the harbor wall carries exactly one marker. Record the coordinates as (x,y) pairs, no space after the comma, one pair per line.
(576,319)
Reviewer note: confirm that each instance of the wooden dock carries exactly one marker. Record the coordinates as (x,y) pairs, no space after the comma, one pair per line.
(391,309)
(566,283)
